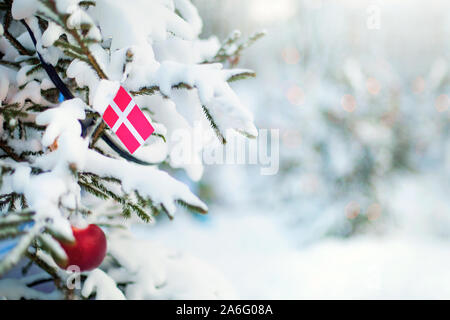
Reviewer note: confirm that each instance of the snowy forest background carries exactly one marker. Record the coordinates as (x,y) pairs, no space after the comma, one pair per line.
(359,209)
(360,206)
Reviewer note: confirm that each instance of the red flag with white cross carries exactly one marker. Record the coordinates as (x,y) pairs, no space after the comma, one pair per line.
(126,119)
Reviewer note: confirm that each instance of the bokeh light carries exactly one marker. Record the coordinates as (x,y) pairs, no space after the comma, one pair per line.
(348,103)
(418,85)
(352,210)
(295,95)
(374,211)
(290,55)
(373,86)
(291,138)
(442,103)
(309,183)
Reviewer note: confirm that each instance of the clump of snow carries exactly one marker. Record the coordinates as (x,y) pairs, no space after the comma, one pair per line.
(51,34)
(163,273)
(66,6)
(149,181)
(63,118)
(62,123)
(104,286)
(259,257)
(22,9)
(104,94)
(213,90)
(84,76)
(108,13)
(189,13)
(43,193)
(32,91)
(15,289)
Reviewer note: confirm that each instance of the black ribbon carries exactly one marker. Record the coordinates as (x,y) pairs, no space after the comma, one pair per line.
(85,124)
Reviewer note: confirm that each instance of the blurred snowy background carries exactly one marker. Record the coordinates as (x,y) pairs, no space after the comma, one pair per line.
(360,206)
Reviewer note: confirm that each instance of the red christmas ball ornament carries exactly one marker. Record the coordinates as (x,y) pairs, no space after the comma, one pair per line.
(88,250)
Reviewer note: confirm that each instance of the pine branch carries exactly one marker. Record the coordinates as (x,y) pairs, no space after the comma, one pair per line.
(164,209)
(251,40)
(111,225)
(81,52)
(43,265)
(146,91)
(86,187)
(74,55)
(214,125)
(191,207)
(241,76)
(34,69)
(140,211)
(28,60)
(13,219)
(232,38)
(14,65)
(12,111)
(37,108)
(231,51)
(10,151)
(52,247)
(86,4)
(39,281)
(31,153)
(8,233)
(13,257)
(98,189)
(76,36)
(97,133)
(14,42)
(155,89)
(245,134)
(33,125)
(66,45)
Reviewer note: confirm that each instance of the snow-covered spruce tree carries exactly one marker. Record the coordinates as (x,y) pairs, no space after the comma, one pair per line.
(60,164)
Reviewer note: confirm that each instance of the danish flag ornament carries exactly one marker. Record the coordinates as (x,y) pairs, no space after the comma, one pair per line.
(126,119)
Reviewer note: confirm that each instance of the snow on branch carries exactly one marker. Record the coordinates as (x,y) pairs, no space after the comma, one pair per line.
(150,182)
(215,94)
(16,289)
(102,285)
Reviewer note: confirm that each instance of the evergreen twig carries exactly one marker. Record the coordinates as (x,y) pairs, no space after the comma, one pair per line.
(214,125)
(10,151)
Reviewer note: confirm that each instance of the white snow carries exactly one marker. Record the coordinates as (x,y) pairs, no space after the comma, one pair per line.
(62,119)
(164,274)
(84,75)
(24,8)
(213,91)
(51,34)
(16,289)
(104,287)
(149,181)
(258,255)
(128,33)
(104,94)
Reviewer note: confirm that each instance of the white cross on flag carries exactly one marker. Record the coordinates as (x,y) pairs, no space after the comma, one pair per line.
(129,123)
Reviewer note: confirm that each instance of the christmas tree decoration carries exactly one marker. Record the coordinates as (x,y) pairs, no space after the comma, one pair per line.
(126,119)
(88,250)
